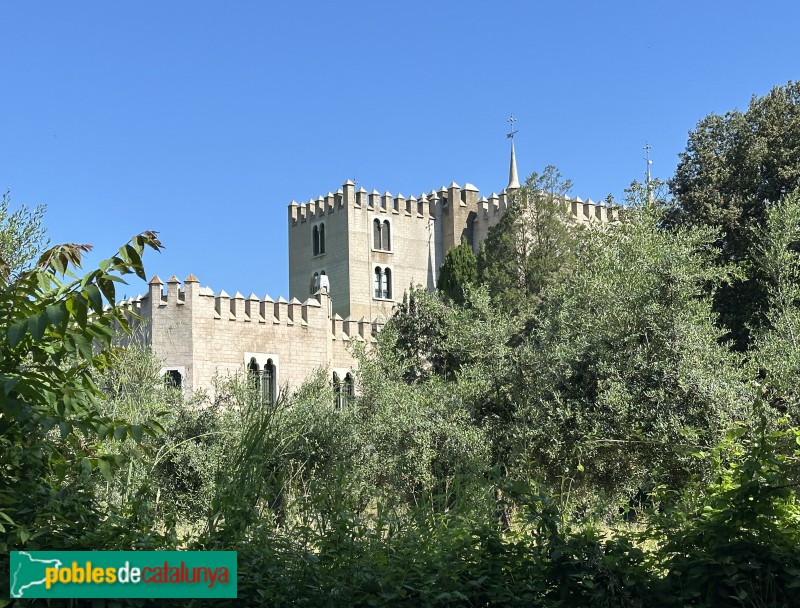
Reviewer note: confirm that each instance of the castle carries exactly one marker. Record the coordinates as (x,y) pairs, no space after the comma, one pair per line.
(352,254)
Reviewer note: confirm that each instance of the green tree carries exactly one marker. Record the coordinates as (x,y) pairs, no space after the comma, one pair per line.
(22,236)
(55,333)
(735,166)
(532,245)
(623,369)
(776,351)
(460,269)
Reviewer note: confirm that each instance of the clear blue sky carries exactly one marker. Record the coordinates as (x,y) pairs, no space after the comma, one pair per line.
(202,120)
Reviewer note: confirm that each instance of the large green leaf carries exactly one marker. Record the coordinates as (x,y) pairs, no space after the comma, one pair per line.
(16,332)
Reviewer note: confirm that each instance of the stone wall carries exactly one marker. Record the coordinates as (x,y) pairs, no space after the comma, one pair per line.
(201,334)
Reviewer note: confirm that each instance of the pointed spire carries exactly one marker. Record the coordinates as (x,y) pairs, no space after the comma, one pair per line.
(513,178)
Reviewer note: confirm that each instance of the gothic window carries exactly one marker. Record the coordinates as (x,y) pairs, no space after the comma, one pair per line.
(387,283)
(376,232)
(315,239)
(173,378)
(322,238)
(349,388)
(268,382)
(337,392)
(385,237)
(381,237)
(378,279)
(263,380)
(254,373)
(383,283)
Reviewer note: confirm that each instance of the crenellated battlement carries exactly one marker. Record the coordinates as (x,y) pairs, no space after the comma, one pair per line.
(432,204)
(189,299)
(347,197)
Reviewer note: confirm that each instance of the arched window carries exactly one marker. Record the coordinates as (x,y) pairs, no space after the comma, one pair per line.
(376,234)
(387,283)
(268,382)
(378,281)
(337,392)
(322,238)
(315,239)
(383,283)
(173,378)
(254,373)
(348,389)
(386,243)
(263,380)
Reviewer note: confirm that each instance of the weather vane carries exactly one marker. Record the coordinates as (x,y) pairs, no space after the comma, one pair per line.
(512,121)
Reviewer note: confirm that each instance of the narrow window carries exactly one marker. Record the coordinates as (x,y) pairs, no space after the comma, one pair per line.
(322,238)
(254,373)
(315,238)
(376,232)
(387,283)
(268,385)
(378,279)
(348,389)
(385,237)
(337,392)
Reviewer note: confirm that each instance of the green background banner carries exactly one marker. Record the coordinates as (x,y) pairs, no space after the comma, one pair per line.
(123,574)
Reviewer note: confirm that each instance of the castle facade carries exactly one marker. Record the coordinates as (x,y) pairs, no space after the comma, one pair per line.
(352,254)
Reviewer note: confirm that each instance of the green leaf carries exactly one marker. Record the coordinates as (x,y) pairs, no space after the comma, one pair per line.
(16,332)
(136,432)
(9,384)
(105,468)
(106,285)
(95,297)
(56,313)
(735,432)
(76,306)
(84,345)
(37,325)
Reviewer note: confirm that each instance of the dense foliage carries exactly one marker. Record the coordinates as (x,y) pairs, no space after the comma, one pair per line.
(22,235)
(567,427)
(460,269)
(532,245)
(735,167)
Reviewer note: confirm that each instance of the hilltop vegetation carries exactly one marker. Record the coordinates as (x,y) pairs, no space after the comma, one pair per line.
(574,419)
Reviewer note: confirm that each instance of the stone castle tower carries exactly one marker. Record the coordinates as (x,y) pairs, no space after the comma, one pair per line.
(368,248)
(352,254)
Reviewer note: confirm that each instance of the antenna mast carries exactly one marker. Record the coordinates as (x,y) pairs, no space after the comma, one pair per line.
(648,183)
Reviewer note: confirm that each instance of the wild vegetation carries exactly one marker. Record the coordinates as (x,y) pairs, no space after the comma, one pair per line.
(567,422)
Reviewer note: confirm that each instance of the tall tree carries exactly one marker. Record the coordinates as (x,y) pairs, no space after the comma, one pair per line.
(22,236)
(776,349)
(622,371)
(460,268)
(532,245)
(735,166)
